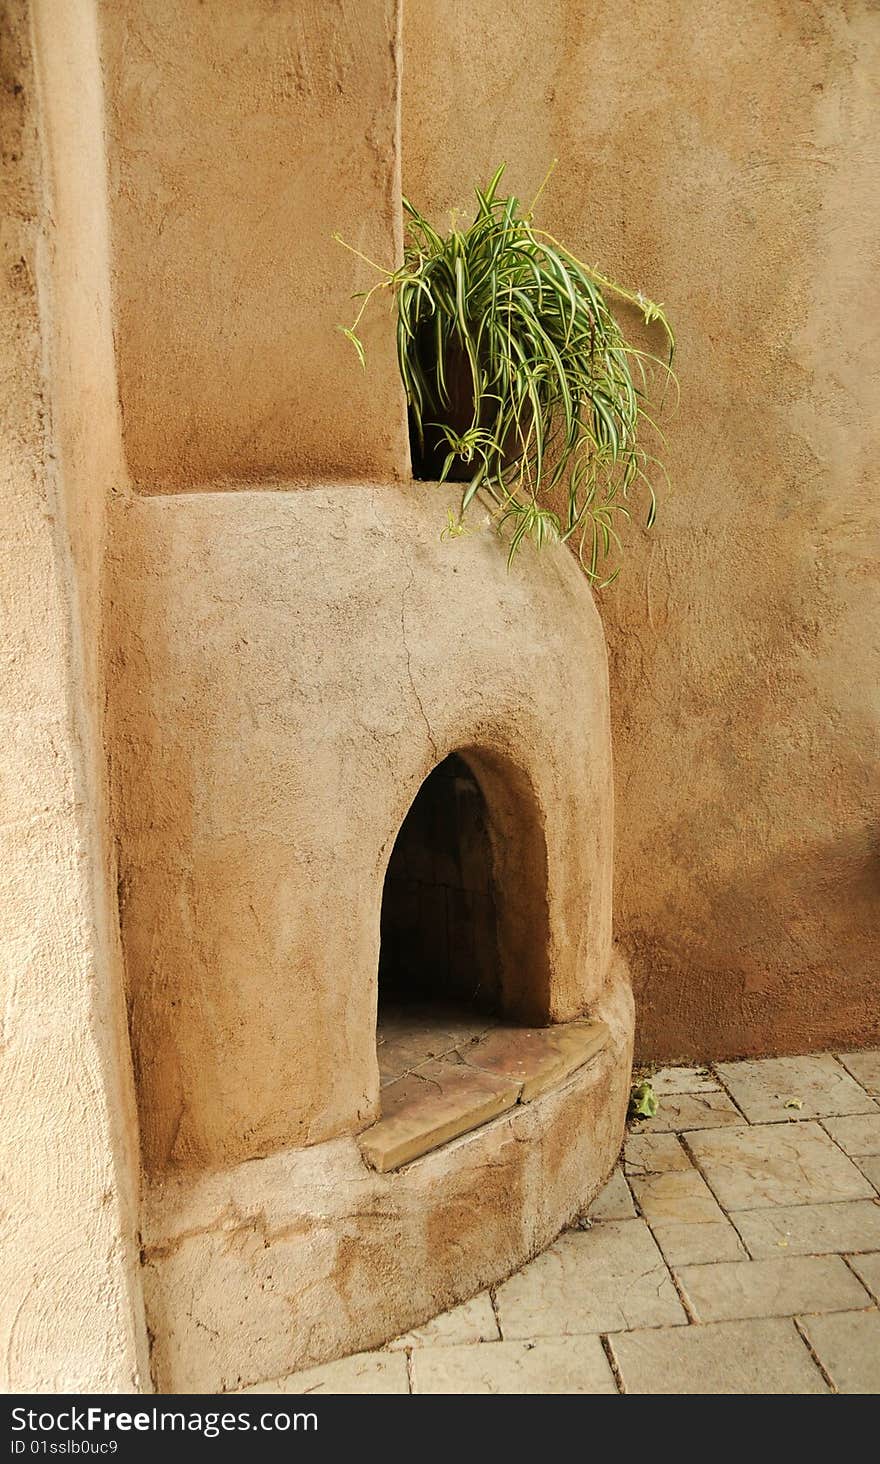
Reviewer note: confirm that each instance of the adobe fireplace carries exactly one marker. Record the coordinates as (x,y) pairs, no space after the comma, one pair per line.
(275,717)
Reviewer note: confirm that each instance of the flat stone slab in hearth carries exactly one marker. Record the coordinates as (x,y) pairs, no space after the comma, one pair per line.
(427,1108)
(443,1099)
(414,1034)
(538,1058)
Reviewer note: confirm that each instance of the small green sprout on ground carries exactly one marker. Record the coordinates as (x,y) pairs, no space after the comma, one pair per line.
(643,1100)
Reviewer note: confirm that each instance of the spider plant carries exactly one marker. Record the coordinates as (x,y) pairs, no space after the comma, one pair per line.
(519,377)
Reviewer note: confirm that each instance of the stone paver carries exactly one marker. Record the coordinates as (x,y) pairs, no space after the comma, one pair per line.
(764,1356)
(821,1087)
(365,1372)
(692,1245)
(681,1111)
(858,1136)
(688,1223)
(600,1280)
(864,1067)
(575,1365)
(784,1288)
(683,1196)
(473,1321)
(614,1202)
(870,1167)
(653,1154)
(801,1230)
(868,1269)
(684,1080)
(776,1164)
(848,1346)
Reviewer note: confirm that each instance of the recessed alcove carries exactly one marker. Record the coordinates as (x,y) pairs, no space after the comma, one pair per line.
(287,1173)
(439,936)
(440,983)
(451,1055)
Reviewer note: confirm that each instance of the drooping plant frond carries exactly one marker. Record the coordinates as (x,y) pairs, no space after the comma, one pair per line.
(560,397)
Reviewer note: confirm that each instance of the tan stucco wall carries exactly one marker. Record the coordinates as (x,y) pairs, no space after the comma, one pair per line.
(71,1316)
(723,157)
(241,137)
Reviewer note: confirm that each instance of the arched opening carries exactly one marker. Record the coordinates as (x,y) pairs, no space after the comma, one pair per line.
(439,935)
(464,940)
(466,1025)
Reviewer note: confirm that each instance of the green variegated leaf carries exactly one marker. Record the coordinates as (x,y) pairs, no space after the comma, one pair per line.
(560,397)
(356,342)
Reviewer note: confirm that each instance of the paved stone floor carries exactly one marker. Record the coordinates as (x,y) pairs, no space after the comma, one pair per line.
(736,1250)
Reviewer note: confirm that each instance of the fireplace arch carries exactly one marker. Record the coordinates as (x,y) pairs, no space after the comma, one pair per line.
(464,906)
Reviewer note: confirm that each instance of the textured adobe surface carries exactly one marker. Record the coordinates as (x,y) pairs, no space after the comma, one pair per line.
(723,157)
(288,668)
(239,140)
(71,1317)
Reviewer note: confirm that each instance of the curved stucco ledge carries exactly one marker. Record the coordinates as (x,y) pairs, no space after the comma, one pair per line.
(266,1267)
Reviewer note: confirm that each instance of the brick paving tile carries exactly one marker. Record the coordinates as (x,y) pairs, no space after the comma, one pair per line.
(764,1356)
(848,1346)
(684,1080)
(776,1164)
(682,1111)
(764,1089)
(473,1321)
(852,1225)
(614,1202)
(777,1288)
(858,1135)
(864,1067)
(653,1154)
(870,1167)
(568,1365)
(868,1268)
(693,1245)
(365,1372)
(601,1280)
